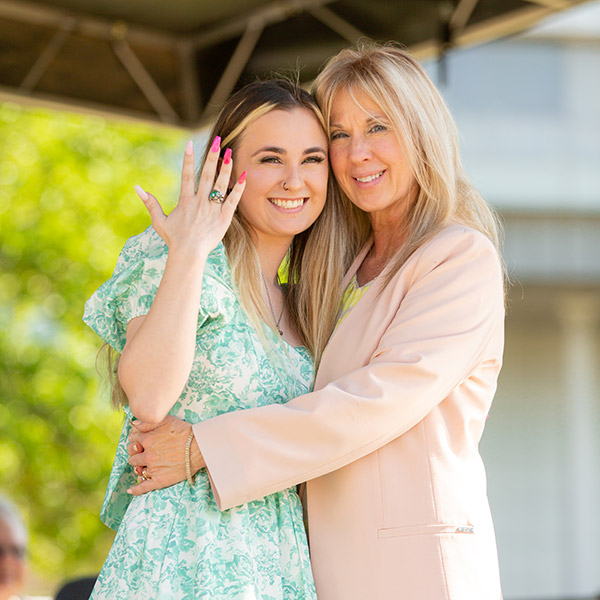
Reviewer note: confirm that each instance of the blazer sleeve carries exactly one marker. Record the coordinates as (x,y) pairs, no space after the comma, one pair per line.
(453,305)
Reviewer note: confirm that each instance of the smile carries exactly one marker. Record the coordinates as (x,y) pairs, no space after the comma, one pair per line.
(369,177)
(287,203)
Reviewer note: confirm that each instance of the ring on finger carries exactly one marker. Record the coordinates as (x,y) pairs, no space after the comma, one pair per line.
(217,197)
(145,474)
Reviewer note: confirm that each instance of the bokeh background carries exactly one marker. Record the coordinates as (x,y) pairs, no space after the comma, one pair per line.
(528,109)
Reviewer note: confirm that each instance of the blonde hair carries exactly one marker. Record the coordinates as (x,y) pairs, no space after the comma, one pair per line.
(397,83)
(318,257)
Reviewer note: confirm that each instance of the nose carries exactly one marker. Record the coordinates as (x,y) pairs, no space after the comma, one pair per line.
(293,179)
(360,150)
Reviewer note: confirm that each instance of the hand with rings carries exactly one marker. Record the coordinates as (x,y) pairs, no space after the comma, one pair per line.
(157,454)
(202,216)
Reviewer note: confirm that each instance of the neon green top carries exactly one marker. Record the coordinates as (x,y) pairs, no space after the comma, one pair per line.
(352,294)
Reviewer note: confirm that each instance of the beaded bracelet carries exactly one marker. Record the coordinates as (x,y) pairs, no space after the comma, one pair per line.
(188,463)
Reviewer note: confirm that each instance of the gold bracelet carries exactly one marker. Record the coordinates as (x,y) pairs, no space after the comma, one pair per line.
(188,463)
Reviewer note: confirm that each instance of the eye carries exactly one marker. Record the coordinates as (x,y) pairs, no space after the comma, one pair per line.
(377,128)
(270,159)
(314,159)
(336,135)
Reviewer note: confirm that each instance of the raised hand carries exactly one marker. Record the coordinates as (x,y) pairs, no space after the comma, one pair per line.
(201,217)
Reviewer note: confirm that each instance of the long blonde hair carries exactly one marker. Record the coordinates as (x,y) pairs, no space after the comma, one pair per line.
(318,257)
(397,83)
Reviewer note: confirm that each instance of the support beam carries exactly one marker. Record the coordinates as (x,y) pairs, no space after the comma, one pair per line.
(47,56)
(144,81)
(235,67)
(337,24)
(461,15)
(271,14)
(553,4)
(36,14)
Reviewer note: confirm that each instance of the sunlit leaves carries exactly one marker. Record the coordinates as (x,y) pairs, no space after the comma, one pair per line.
(67,206)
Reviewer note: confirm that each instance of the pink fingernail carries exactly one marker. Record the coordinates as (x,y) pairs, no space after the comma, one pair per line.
(140,192)
(216,144)
(189,147)
(242,177)
(227,156)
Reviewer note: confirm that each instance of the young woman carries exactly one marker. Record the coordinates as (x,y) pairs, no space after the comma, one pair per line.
(204,328)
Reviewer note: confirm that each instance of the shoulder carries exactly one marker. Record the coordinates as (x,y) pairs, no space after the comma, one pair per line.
(459,238)
(458,245)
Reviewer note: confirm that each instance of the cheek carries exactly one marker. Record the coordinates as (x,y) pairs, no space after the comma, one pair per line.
(321,182)
(246,207)
(336,160)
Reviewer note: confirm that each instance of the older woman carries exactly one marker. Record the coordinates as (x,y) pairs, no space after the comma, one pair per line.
(388,441)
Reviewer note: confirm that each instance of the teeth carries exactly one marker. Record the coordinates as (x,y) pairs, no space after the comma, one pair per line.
(287,203)
(369,178)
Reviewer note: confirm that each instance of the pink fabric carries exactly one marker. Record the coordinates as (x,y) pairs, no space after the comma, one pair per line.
(388,442)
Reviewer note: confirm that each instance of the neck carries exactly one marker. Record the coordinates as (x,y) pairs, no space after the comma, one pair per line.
(388,237)
(270,254)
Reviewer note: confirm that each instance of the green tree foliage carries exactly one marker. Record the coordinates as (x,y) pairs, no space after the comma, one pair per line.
(67,206)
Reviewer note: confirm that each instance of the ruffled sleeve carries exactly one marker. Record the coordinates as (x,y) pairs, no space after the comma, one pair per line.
(122,477)
(130,291)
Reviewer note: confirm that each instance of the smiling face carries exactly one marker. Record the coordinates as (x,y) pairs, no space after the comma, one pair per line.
(368,159)
(282,147)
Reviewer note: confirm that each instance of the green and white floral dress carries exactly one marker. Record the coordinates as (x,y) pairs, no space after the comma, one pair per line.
(175,544)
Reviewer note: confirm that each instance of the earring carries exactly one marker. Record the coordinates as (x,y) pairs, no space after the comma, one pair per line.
(284,186)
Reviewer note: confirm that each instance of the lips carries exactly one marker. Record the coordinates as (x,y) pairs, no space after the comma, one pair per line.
(287,203)
(369,178)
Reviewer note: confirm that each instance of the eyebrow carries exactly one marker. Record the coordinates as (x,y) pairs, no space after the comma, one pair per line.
(277,150)
(368,121)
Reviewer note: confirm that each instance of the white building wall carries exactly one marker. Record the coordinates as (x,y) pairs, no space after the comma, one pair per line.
(528,111)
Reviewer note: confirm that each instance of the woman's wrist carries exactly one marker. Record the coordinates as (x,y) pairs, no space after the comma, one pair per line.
(188,254)
(196,458)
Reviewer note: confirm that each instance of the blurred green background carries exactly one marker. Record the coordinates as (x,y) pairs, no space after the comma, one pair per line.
(67,206)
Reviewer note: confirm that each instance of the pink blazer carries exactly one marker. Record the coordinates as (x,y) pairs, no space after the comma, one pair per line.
(388,441)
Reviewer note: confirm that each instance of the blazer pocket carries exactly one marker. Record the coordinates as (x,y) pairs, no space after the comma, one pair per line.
(434,529)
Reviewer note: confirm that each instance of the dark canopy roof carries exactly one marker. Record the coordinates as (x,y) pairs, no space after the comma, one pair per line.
(176,61)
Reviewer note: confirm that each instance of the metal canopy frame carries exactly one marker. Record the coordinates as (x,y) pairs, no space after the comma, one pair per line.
(163,74)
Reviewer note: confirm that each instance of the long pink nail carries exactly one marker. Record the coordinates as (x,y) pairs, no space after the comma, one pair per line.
(227,156)
(242,177)
(141,193)
(216,144)
(189,147)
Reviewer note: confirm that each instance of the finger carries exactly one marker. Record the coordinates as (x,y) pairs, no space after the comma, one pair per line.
(144,427)
(207,175)
(222,182)
(134,448)
(137,460)
(152,205)
(233,198)
(187,174)
(143,487)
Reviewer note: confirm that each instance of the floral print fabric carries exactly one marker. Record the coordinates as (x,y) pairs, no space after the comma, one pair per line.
(175,543)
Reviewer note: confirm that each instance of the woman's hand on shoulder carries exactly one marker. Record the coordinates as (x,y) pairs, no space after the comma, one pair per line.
(198,224)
